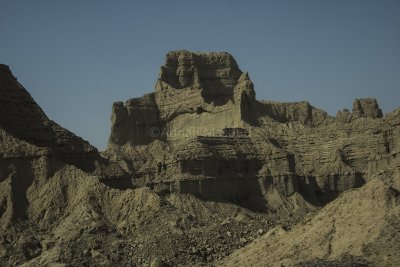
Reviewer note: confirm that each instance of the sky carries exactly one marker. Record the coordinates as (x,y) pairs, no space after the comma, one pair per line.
(78,57)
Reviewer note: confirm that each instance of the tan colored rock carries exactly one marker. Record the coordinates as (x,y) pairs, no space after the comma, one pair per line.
(362,226)
(363,107)
(133,121)
(183,145)
(200,135)
(367,107)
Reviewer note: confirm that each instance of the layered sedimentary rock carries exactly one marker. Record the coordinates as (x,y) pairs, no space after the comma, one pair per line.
(203,132)
(360,228)
(133,121)
(22,118)
(33,148)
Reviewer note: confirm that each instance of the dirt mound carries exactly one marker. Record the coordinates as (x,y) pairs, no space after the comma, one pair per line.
(363,225)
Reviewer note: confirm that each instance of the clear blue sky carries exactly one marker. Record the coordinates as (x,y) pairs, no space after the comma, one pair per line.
(77,57)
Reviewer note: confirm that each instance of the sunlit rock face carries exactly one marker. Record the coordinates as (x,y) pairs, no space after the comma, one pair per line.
(203,132)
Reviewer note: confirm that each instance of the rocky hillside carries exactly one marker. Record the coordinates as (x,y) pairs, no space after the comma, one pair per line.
(204,133)
(200,172)
(21,118)
(361,227)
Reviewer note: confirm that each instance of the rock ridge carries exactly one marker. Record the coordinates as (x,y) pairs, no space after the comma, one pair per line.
(196,170)
(289,147)
(22,118)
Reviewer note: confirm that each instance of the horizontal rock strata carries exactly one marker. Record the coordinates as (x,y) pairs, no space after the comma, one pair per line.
(203,132)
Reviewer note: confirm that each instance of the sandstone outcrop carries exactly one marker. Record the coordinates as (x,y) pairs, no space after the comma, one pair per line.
(176,140)
(196,170)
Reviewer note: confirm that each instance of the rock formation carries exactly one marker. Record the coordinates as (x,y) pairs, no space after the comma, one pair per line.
(361,228)
(22,118)
(365,107)
(196,170)
(177,139)
(33,146)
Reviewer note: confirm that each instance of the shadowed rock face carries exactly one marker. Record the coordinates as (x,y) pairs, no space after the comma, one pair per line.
(33,148)
(363,107)
(216,73)
(22,118)
(203,132)
(367,107)
(133,121)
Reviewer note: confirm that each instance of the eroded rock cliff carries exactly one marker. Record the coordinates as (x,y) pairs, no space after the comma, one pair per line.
(180,159)
(203,132)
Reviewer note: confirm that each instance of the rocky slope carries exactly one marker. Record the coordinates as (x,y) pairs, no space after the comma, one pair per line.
(362,226)
(195,171)
(22,118)
(32,148)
